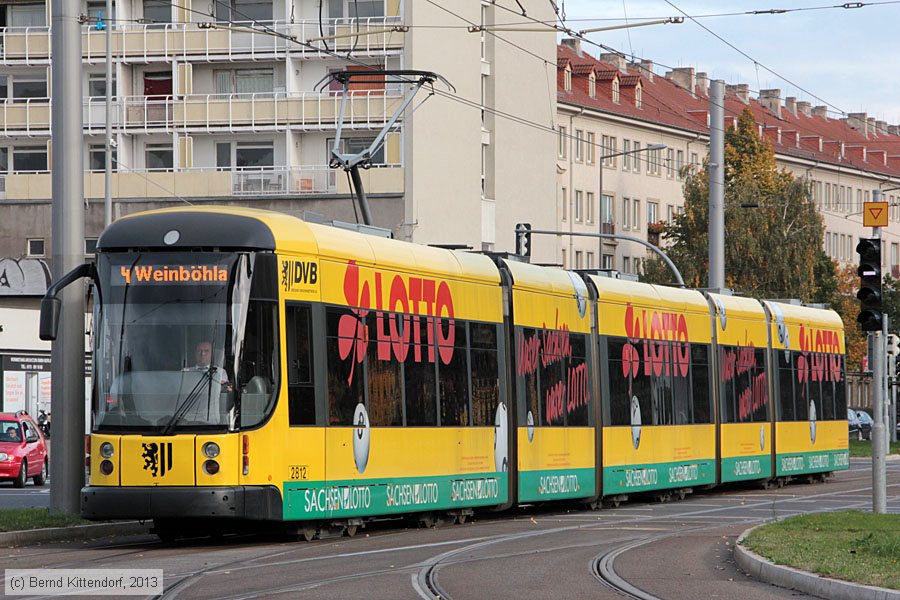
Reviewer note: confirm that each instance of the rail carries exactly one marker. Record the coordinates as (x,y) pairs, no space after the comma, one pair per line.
(165,42)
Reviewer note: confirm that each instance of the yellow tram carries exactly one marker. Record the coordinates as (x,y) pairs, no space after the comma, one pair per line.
(251,367)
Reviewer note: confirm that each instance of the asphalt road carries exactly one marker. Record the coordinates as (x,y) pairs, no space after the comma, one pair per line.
(676,551)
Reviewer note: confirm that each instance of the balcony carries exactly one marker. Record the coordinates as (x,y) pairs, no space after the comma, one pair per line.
(210,183)
(143,43)
(303,111)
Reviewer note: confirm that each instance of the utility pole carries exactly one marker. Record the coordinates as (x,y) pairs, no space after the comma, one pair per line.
(107,173)
(717,185)
(67,387)
(879,467)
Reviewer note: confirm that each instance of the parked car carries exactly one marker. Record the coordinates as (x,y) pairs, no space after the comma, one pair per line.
(853,425)
(23,450)
(865,423)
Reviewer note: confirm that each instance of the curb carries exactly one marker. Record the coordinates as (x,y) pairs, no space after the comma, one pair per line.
(787,577)
(75,532)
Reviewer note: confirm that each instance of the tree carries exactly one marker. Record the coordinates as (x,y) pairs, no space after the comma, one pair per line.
(773,232)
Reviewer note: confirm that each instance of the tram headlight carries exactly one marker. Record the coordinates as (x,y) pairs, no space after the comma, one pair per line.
(211,467)
(106,450)
(210,449)
(106,467)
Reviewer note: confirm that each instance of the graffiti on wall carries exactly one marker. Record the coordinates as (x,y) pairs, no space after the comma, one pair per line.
(23,277)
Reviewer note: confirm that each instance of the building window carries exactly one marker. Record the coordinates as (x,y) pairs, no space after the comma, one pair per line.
(589,143)
(157,12)
(579,259)
(626,213)
(827,196)
(244,10)
(609,150)
(568,78)
(654,157)
(590,260)
(25,87)
(355,145)
(579,208)
(636,220)
(895,255)
(97,157)
(590,207)
(565,203)
(97,9)
(626,264)
(615,90)
(27,15)
(563,142)
(638,100)
(97,85)
(158,157)
(652,212)
(695,161)
(245,81)
(637,156)
(670,163)
(564,263)
(90,246)
(679,164)
(626,155)
(606,209)
(30,159)
(636,265)
(254,155)
(579,149)
(592,85)
(362,9)
(35,247)
(670,212)
(607,261)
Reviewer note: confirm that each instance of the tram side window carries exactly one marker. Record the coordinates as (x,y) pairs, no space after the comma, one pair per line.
(527,341)
(259,362)
(785,385)
(384,369)
(661,384)
(345,365)
(301,388)
(552,382)
(453,372)
(485,373)
(420,378)
(681,385)
(619,397)
(578,393)
(700,383)
(840,389)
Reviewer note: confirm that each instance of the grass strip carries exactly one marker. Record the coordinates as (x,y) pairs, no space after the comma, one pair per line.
(18,519)
(863,448)
(852,545)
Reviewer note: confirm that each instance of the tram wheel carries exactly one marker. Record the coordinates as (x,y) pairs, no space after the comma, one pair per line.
(308,533)
(350,530)
(461,518)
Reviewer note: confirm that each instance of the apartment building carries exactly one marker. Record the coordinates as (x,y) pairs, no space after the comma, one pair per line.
(607,107)
(207,108)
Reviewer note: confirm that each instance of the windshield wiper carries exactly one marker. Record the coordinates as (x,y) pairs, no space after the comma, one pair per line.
(189,401)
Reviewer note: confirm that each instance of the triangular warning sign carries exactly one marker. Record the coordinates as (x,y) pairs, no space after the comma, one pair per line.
(875,214)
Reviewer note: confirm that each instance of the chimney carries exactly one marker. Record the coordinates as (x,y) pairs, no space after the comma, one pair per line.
(820,111)
(771,99)
(741,90)
(615,59)
(805,108)
(893,129)
(683,77)
(881,127)
(573,44)
(859,122)
(643,68)
(870,126)
(702,84)
(790,103)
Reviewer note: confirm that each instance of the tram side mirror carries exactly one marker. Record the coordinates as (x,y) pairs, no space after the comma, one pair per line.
(50,309)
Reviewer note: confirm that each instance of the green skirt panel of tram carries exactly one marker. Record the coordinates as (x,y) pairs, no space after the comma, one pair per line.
(630,479)
(372,497)
(556,484)
(746,451)
(811,447)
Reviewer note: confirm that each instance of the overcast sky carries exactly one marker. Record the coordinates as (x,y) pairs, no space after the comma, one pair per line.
(848,58)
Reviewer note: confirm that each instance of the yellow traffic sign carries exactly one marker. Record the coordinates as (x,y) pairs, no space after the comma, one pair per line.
(875,214)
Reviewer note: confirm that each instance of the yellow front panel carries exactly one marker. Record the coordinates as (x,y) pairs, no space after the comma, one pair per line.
(410,452)
(369,288)
(556,448)
(98,478)
(229,459)
(164,460)
(658,444)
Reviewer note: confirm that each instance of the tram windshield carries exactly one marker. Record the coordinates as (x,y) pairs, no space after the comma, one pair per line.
(183,342)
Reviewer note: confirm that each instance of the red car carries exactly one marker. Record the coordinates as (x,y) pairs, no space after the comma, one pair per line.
(23,450)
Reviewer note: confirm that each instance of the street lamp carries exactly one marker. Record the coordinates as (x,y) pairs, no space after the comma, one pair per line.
(650,148)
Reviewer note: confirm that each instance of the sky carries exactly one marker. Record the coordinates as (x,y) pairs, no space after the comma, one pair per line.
(847,59)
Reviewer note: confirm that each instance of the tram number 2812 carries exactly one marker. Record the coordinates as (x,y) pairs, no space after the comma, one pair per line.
(299,472)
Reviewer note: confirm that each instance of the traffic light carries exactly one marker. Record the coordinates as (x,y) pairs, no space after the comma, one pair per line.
(523,239)
(870,316)
(893,345)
